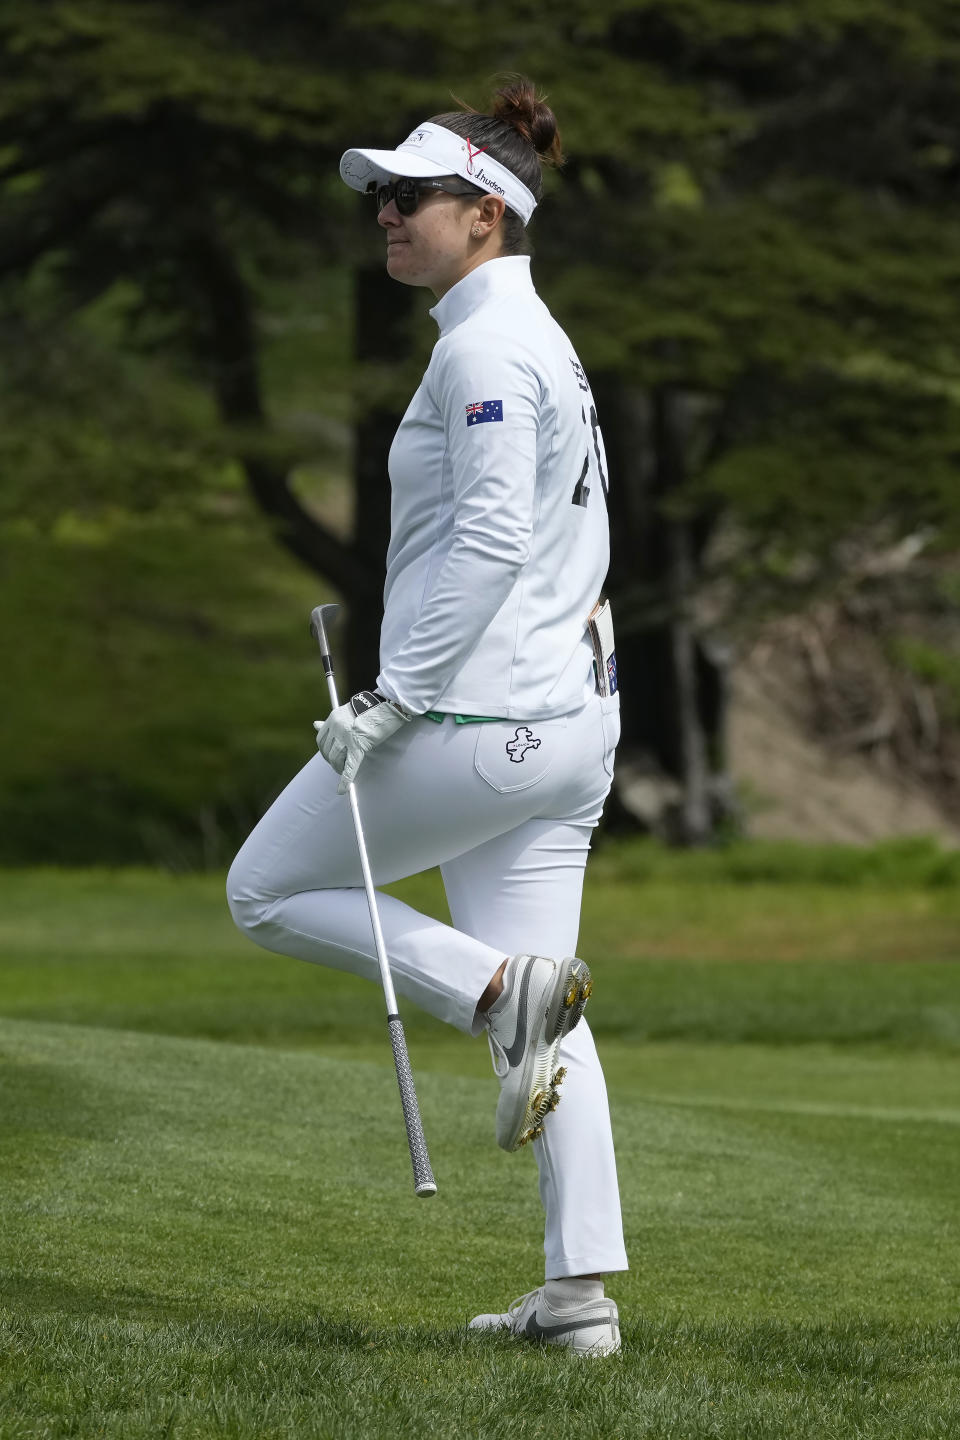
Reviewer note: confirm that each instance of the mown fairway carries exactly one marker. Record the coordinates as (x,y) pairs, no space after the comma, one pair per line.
(208,1227)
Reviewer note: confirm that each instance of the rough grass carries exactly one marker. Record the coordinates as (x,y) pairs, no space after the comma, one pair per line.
(682,958)
(209,1230)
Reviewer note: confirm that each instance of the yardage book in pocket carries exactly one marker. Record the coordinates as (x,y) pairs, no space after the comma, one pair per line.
(600,625)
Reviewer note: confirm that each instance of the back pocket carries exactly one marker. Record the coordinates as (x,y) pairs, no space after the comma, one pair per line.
(515,756)
(610,720)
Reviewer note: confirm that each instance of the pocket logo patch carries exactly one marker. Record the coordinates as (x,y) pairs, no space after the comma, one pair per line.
(522,742)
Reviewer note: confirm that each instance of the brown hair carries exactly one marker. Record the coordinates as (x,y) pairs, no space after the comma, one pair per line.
(521,132)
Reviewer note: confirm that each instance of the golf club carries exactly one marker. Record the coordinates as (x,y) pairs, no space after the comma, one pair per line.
(423,1182)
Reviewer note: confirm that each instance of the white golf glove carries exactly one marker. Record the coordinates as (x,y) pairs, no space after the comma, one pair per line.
(352,730)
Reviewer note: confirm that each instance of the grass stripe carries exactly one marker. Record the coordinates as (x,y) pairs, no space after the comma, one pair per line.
(208,1226)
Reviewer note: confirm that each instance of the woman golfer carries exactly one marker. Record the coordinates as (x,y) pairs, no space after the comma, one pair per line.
(485,744)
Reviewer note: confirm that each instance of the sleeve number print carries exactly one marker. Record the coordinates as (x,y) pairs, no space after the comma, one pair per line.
(581,491)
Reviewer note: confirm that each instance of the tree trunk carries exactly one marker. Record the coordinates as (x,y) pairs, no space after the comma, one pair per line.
(673,685)
(672,446)
(382,309)
(233,342)
(694,817)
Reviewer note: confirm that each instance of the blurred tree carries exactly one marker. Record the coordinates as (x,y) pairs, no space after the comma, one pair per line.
(767,294)
(177,156)
(754,247)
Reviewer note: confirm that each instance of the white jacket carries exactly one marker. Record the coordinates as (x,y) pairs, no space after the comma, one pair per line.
(499,536)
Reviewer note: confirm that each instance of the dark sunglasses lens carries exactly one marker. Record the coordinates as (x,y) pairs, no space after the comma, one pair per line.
(406,196)
(403,191)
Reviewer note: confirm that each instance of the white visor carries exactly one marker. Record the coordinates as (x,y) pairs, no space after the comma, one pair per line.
(433,150)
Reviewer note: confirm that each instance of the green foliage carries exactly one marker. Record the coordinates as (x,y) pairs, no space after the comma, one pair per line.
(936,666)
(745,217)
(722,241)
(166,692)
(116,61)
(84,429)
(94,419)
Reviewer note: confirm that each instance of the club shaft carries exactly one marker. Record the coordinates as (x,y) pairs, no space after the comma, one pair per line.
(386,979)
(423,1181)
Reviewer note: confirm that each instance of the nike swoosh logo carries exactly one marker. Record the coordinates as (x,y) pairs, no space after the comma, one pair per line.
(514,1052)
(536,1331)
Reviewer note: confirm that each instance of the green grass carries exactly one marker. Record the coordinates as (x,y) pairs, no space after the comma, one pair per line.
(761,962)
(209,1230)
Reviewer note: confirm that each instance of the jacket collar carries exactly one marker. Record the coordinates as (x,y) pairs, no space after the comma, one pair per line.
(507,275)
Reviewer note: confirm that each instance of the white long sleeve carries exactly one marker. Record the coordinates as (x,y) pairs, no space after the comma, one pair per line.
(499,540)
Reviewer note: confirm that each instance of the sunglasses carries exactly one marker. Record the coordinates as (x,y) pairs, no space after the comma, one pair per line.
(408,193)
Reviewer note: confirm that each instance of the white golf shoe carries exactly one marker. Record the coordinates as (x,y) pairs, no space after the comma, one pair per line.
(592,1328)
(542,1001)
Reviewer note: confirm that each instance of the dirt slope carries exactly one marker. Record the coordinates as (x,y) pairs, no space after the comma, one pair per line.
(794,787)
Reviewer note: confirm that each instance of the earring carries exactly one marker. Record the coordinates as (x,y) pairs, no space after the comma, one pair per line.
(475,233)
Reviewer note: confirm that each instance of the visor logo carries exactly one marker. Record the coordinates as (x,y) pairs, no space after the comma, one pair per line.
(417,138)
(472,153)
(484,179)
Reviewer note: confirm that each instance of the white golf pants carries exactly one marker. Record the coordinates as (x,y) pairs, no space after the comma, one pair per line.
(506,811)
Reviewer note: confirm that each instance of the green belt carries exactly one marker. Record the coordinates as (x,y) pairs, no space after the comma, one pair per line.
(439,717)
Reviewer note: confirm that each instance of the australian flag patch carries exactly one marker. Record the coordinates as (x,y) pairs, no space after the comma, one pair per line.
(484,410)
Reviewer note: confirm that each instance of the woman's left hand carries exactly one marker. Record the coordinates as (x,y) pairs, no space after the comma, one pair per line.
(352,730)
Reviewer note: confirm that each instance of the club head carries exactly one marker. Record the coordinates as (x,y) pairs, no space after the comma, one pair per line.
(322,618)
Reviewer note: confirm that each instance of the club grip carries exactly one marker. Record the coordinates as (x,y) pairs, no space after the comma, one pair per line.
(423,1181)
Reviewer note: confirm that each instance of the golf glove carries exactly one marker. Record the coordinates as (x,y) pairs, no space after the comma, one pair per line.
(353,729)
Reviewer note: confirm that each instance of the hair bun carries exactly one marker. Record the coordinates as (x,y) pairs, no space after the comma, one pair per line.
(518,104)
